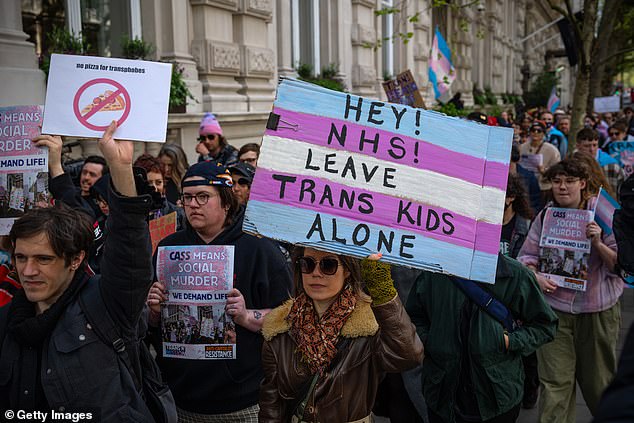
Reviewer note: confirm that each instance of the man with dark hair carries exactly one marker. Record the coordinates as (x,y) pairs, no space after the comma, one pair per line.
(50,356)
(554,135)
(223,389)
(94,168)
(588,142)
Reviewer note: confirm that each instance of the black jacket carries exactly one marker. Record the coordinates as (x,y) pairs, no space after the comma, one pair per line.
(228,156)
(264,279)
(77,370)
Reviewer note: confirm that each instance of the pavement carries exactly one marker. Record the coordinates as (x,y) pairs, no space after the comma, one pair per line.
(583,413)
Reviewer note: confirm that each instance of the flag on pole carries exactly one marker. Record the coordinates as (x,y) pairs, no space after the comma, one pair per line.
(441,71)
(604,211)
(553,101)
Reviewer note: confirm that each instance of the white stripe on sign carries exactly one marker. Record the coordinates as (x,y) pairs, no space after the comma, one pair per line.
(367,172)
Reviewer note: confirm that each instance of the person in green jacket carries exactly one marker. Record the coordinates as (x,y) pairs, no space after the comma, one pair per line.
(472,371)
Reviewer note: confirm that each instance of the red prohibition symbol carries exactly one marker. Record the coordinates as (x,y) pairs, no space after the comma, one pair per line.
(103,102)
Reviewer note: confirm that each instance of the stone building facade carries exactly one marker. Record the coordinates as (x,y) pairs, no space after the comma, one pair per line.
(233,51)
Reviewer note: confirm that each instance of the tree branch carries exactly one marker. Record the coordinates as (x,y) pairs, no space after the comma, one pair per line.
(610,57)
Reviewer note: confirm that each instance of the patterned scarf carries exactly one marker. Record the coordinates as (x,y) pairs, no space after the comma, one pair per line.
(317,338)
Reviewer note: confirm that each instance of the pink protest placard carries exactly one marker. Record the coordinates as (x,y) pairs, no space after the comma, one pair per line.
(564,247)
(23,166)
(193,320)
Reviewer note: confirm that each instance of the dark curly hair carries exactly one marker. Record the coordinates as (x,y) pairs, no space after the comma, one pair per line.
(515,188)
(69,231)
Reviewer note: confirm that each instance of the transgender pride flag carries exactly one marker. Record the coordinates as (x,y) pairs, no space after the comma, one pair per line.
(441,71)
(604,211)
(553,101)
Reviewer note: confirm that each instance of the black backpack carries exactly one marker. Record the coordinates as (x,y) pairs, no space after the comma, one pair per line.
(155,392)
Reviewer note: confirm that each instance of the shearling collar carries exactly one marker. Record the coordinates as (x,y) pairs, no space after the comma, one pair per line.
(361,321)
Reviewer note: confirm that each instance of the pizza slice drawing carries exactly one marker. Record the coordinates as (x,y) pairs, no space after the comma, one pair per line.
(115,105)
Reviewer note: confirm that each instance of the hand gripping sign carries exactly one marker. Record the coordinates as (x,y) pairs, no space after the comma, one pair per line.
(85,94)
(354,176)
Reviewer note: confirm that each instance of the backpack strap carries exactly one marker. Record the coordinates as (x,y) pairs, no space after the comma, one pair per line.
(95,309)
(487,302)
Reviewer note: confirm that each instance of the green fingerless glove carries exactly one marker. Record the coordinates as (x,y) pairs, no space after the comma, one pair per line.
(378,280)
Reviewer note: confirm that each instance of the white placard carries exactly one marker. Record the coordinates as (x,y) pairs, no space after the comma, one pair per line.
(607,104)
(86,93)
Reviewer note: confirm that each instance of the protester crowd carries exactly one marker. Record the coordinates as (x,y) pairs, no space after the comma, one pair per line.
(319,336)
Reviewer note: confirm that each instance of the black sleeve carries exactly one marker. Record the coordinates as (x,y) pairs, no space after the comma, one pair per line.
(274,278)
(126,268)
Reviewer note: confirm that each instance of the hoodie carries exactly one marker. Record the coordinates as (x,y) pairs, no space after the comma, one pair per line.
(264,279)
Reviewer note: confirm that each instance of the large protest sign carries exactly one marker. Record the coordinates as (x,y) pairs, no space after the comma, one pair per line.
(403,90)
(607,104)
(623,151)
(354,176)
(162,227)
(564,247)
(193,321)
(85,94)
(23,166)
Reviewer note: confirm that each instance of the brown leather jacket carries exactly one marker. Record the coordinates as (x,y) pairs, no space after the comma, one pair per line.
(376,340)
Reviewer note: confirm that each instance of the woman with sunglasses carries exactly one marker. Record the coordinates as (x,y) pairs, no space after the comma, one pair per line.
(212,145)
(327,349)
(550,154)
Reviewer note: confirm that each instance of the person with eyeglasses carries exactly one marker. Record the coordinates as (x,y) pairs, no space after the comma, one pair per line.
(616,133)
(242,175)
(553,134)
(584,349)
(538,145)
(249,153)
(212,145)
(327,349)
(223,390)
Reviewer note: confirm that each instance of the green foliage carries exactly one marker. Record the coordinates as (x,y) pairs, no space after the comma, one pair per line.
(478,96)
(135,48)
(540,89)
(387,76)
(305,71)
(450,109)
(179,93)
(489,97)
(62,41)
(495,110)
(326,79)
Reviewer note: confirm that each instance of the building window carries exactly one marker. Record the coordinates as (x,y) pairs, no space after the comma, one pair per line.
(387,45)
(305,33)
(101,22)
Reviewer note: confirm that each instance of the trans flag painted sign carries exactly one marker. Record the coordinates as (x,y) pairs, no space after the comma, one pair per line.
(354,176)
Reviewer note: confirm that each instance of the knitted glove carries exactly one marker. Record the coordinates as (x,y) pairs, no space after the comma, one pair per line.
(378,280)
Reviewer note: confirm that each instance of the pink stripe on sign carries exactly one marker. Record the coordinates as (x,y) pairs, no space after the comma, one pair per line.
(374,208)
(391,147)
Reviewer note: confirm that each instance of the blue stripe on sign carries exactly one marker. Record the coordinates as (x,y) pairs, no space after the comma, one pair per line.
(484,266)
(293,224)
(444,131)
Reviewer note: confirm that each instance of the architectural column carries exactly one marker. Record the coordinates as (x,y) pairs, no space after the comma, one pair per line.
(344,47)
(22,80)
(496,31)
(252,29)
(421,48)
(363,70)
(518,34)
(461,46)
(219,58)
(163,23)
(283,18)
